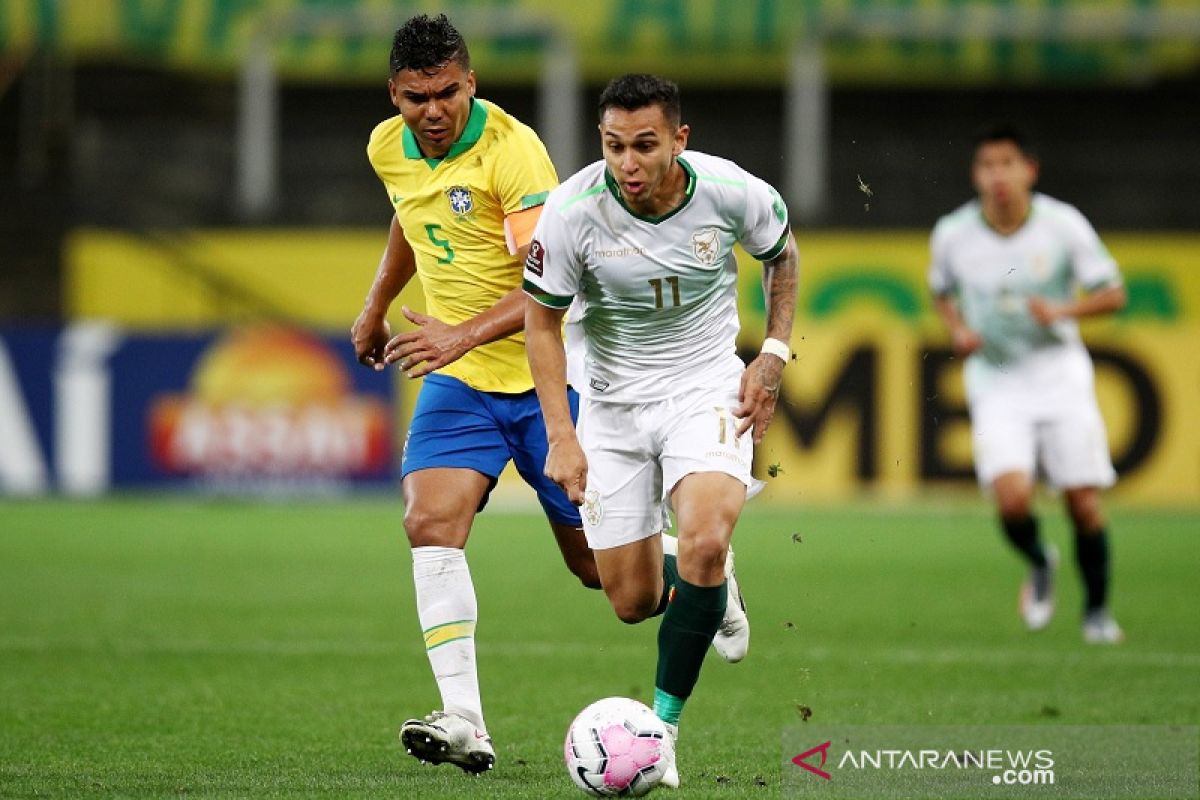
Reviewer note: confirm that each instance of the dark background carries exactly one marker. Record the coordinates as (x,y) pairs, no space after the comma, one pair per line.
(137,148)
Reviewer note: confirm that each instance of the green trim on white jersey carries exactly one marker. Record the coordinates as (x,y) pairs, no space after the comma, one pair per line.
(688,192)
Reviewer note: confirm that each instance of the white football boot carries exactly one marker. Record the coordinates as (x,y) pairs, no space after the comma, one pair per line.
(670,778)
(1100,628)
(1037,593)
(443,738)
(733,637)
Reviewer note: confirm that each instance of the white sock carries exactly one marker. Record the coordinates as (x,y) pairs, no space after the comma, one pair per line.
(448,613)
(670,545)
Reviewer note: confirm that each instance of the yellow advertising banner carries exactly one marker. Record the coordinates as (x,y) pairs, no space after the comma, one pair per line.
(714,41)
(873,401)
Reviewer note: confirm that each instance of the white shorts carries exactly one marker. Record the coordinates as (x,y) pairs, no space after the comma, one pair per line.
(1019,426)
(638,452)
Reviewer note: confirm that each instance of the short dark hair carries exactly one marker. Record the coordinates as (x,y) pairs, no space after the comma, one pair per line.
(994,132)
(425,43)
(638,90)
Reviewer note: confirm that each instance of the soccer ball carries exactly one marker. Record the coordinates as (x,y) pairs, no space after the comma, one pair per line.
(617,747)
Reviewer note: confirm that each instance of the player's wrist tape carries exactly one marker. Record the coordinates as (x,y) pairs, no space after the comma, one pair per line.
(776,348)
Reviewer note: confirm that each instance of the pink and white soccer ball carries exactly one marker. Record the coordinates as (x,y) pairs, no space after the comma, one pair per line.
(617,747)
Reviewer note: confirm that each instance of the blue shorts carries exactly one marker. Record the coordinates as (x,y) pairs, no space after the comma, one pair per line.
(456,426)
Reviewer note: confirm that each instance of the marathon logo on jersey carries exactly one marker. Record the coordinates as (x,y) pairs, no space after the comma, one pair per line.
(598,384)
(706,246)
(535,261)
(460,200)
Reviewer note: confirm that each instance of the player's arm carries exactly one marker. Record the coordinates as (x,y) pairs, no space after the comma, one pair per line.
(434,343)
(964,340)
(760,382)
(566,464)
(370,332)
(1104,300)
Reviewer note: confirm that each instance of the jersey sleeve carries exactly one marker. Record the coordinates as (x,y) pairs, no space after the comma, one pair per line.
(1094,267)
(523,175)
(764,231)
(376,147)
(552,268)
(941,277)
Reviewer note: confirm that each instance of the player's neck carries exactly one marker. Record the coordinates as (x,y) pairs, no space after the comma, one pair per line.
(669,195)
(1007,218)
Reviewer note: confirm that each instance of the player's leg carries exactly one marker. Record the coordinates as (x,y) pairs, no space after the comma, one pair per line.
(1092,556)
(632,577)
(439,508)
(1077,461)
(452,455)
(707,469)
(623,512)
(733,636)
(1005,449)
(707,505)
(1013,493)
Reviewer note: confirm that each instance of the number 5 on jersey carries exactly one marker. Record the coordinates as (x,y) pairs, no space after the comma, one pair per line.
(431,230)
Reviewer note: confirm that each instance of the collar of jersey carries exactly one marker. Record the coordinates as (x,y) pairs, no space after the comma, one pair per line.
(1028,216)
(470,135)
(687,193)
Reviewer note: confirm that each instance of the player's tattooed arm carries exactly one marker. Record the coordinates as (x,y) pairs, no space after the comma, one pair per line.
(761,380)
(780,279)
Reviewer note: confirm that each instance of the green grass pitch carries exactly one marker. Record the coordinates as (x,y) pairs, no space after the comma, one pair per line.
(160,648)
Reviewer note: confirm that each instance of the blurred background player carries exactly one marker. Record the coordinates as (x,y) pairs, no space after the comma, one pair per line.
(467,182)
(1011,272)
(646,237)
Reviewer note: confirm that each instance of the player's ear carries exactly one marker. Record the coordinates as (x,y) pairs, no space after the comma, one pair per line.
(471,83)
(394,92)
(681,138)
(1035,169)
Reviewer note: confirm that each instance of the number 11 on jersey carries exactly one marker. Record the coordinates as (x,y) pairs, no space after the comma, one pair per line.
(657,284)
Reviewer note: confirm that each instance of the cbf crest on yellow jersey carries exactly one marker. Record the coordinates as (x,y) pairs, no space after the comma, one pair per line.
(452,213)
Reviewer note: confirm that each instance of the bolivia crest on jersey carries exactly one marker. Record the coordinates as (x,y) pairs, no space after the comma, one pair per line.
(460,200)
(705,245)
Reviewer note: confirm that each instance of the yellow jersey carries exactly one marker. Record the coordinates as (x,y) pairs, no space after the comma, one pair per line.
(452,213)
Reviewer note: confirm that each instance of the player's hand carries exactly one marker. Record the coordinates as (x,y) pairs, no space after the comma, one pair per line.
(965,341)
(433,345)
(567,466)
(1044,311)
(369,335)
(758,394)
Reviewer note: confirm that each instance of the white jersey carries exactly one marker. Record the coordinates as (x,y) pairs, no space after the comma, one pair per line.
(658,297)
(1053,255)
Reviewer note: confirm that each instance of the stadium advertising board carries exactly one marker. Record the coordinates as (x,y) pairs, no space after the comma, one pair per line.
(715,41)
(874,399)
(92,407)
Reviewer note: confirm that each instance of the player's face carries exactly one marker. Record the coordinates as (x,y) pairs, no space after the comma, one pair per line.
(1002,174)
(435,104)
(640,148)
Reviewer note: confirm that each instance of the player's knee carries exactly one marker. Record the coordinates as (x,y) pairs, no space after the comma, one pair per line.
(1086,514)
(429,530)
(1013,506)
(702,559)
